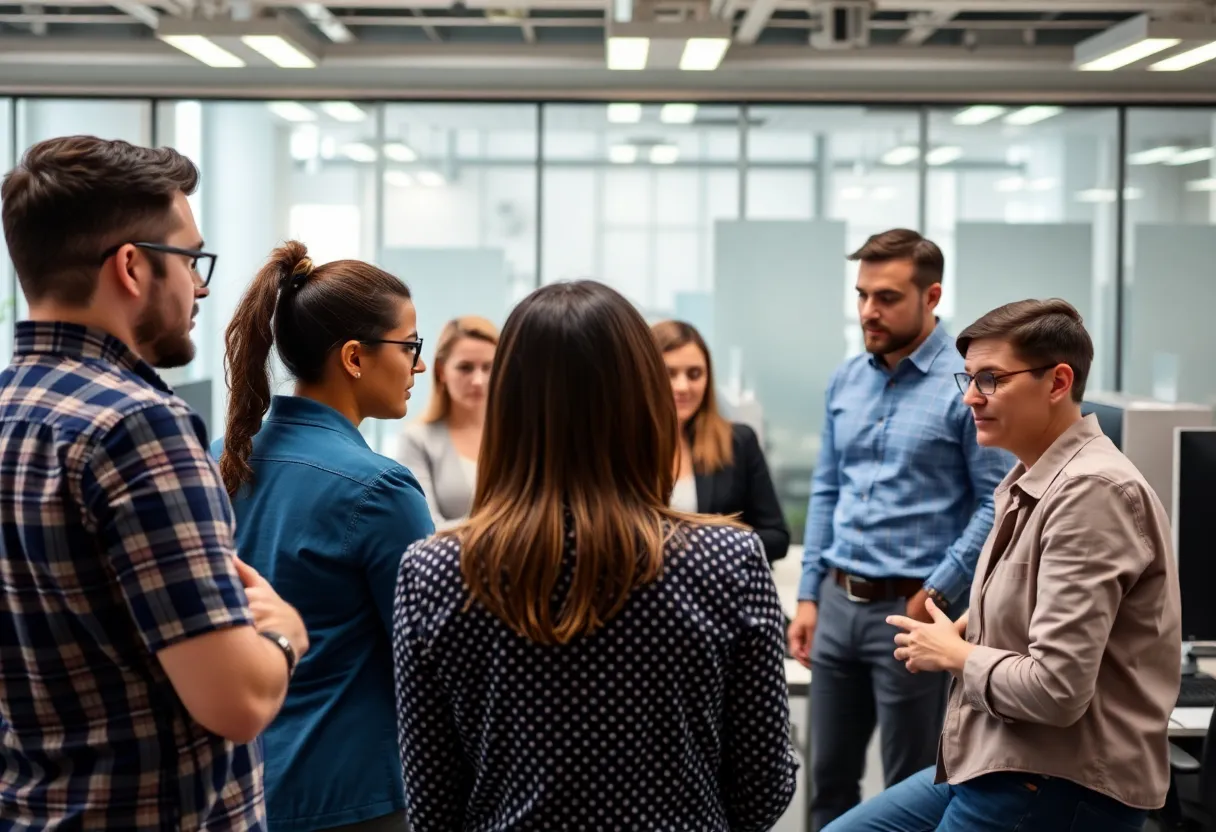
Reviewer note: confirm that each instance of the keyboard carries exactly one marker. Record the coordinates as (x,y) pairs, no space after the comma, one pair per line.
(1197,691)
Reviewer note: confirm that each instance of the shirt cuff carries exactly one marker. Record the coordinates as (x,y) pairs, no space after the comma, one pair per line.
(808,587)
(948,580)
(977,676)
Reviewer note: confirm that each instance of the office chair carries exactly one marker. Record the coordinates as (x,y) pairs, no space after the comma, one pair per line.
(1193,786)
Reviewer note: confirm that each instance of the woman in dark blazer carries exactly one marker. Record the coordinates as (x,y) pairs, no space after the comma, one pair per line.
(721,469)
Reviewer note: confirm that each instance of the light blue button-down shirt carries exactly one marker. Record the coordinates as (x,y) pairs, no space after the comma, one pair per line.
(901,490)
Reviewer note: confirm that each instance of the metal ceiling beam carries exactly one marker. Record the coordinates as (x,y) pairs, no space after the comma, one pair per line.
(134,8)
(754,21)
(926,24)
(1042,6)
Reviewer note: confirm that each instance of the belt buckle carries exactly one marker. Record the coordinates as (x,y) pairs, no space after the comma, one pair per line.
(849,580)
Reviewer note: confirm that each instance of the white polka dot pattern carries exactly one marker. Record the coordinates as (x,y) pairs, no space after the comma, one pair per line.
(674,716)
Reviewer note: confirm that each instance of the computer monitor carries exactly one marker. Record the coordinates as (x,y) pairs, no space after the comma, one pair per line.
(1195,529)
(1143,429)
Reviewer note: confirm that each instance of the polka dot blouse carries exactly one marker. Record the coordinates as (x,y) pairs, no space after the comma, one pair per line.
(674,716)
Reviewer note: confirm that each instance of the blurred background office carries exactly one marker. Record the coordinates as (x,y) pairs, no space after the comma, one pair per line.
(480,149)
(736,218)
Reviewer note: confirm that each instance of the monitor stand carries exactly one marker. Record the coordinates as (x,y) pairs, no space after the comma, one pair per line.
(1190,661)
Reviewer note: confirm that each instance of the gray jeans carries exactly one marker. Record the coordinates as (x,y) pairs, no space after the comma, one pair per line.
(856,683)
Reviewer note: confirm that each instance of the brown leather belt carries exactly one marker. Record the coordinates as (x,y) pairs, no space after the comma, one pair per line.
(864,590)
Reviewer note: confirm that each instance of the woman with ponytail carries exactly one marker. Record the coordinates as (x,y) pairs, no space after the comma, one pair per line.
(326,520)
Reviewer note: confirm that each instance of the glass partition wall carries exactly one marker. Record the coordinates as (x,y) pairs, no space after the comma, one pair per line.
(735,217)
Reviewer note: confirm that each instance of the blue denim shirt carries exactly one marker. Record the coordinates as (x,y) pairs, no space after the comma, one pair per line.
(327,521)
(901,490)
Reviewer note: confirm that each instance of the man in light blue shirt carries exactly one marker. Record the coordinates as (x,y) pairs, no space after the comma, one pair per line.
(901,503)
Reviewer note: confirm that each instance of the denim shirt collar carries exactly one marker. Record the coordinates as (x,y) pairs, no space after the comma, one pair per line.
(299,410)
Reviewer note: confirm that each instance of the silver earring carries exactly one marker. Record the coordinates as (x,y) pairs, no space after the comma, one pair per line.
(358,375)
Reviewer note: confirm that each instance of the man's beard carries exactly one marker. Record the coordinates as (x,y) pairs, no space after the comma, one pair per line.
(896,341)
(159,344)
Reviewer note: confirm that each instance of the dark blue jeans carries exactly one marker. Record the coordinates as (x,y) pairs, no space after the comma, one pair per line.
(1006,802)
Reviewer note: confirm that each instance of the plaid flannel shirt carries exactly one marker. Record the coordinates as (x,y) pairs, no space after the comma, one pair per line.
(115,543)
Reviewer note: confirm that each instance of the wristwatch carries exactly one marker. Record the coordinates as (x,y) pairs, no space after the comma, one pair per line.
(284,645)
(937,597)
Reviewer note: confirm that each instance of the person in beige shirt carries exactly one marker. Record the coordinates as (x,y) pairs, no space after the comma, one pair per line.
(1067,665)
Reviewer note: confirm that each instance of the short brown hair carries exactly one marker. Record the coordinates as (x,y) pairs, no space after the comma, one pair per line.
(905,244)
(1041,332)
(72,198)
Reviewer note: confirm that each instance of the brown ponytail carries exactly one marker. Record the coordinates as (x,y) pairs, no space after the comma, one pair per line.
(247,343)
(304,311)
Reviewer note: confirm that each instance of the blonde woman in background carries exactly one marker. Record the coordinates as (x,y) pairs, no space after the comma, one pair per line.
(441,448)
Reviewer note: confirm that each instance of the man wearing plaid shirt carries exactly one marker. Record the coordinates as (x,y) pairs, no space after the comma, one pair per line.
(901,503)
(134,677)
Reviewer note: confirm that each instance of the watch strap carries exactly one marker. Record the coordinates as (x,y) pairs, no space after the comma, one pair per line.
(284,644)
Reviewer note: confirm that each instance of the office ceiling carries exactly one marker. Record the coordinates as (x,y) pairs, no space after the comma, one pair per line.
(942,50)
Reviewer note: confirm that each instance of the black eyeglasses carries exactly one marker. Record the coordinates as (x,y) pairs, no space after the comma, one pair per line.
(986,380)
(413,348)
(202,262)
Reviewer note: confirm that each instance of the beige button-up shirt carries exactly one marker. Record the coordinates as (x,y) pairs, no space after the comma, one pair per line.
(1076,615)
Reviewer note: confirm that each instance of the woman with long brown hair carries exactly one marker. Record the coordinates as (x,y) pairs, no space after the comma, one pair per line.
(721,468)
(441,448)
(578,654)
(325,520)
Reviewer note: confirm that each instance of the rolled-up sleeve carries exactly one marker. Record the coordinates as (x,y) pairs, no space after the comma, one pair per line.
(1093,549)
(154,497)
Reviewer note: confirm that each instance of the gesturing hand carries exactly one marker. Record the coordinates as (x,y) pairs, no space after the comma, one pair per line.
(933,646)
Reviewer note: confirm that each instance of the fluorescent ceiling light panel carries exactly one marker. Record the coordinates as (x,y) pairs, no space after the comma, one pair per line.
(1153,155)
(430,178)
(291,111)
(399,152)
(623,154)
(1186,60)
(628,53)
(343,111)
(664,154)
(1101,195)
(624,113)
(901,155)
(884,193)
(1190,157)
(1134,40)
(943,155)
(852,193)
(398,178)
(1128,55)
(678,113)
(1010,184)
(1202,184)
(204,50)
(703,54)
(1032,115)
(279,51)
(359,152)
(979,114)
(1045,183)
(324,20)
